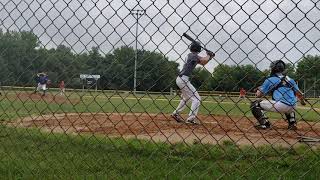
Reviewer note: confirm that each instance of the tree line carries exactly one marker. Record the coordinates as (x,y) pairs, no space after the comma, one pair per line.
(22,57)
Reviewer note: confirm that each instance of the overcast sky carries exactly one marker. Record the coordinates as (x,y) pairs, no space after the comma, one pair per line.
(239,31)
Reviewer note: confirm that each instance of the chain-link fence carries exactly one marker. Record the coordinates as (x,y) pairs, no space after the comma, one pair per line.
(115,89)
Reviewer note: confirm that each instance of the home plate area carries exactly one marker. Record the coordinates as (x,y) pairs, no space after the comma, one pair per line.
(162,128)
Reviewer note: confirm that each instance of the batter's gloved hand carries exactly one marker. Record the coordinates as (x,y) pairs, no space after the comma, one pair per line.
(211,54)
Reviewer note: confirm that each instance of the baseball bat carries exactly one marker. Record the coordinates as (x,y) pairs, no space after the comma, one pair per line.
(192,40)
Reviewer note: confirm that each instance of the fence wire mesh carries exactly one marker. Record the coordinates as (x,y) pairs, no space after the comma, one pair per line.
(113,89)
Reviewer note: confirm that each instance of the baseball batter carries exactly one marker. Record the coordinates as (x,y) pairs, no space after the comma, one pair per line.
(283,90)
(188,92)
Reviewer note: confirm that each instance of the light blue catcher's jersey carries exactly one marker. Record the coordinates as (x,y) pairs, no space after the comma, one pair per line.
(281,90)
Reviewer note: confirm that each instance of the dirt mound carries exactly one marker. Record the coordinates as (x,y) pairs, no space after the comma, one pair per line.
(160,127)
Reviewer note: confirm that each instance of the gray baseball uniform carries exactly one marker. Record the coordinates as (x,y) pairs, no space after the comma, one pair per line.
(191,62)
(188,91)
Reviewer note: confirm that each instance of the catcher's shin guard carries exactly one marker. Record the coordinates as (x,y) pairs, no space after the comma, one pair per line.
(291,117)
(257,112)
(291,121)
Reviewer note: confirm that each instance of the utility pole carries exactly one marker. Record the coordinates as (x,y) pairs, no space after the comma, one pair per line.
(315,88)
(137,13)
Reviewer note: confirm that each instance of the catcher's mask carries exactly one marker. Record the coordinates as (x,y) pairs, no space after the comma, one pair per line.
(277,66)
(195,47)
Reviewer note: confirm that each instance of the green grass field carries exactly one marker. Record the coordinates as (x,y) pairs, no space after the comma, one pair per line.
(91,103)
(27,153)
(31,153)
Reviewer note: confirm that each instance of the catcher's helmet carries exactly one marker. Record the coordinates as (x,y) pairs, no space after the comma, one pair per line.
(277,66)
(195,46)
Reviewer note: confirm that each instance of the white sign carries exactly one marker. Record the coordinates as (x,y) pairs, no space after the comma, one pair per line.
(87,76)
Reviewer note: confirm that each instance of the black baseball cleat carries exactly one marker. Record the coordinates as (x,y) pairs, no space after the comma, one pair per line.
(192,121)
(267,125)
(177,117)
(292,126)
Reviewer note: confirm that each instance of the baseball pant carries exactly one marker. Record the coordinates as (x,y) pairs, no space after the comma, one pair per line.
(62,91)
(276,106)
(41,87)
(188,92)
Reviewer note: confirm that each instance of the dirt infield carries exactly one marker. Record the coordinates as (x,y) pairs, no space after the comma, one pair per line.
(160,127)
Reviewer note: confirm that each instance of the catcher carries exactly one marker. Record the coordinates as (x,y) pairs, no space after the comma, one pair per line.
(283,90)
(188,92)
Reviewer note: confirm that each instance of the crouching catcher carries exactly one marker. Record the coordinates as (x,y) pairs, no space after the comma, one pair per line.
(283,90)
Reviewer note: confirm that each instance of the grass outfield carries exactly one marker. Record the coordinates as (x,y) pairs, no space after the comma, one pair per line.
(27,153)
(14,108)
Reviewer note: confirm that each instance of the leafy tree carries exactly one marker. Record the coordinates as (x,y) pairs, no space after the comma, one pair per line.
(290,70)
(17,55)
(122,68)
(308,71)
(308,67)
(154,71)
(232,78)
(201,78)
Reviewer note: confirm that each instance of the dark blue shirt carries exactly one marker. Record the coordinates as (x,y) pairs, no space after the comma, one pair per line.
(43,79)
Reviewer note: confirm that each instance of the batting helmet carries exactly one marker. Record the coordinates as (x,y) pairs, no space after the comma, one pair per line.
(195,46)
(277,66)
